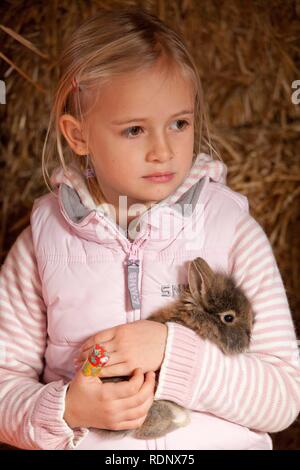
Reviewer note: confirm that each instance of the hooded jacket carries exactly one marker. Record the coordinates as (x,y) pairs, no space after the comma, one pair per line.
(89,276)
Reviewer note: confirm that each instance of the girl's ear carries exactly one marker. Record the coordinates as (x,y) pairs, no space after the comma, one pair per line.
(200,277)
(72,132)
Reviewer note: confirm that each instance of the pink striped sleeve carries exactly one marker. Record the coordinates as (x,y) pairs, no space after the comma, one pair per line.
(259,389)
(31,413)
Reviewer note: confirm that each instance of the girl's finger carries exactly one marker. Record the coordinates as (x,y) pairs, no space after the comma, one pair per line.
(133,424)
(107,345)
(146,391)
(101,337)
(124,389)
(136,412)
(114,357)
(115,370)
(138,405)
(84,354)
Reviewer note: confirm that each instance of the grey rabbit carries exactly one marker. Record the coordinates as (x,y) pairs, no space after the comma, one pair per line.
(217,310)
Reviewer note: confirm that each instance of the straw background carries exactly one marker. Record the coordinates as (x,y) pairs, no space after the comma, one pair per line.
(248,54)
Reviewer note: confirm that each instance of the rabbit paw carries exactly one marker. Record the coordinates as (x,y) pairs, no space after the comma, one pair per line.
(163,417)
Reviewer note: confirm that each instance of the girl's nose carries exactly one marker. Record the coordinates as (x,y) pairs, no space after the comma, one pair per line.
(160,149)
(160,153)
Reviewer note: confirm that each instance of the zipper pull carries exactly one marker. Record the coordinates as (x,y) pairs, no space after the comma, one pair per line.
(133,267)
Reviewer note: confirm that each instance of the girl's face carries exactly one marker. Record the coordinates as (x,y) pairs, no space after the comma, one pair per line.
(155,140)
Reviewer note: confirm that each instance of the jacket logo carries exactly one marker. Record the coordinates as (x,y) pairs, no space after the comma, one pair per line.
(172,290)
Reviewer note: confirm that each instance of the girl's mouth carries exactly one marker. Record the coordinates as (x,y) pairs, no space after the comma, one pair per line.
(160,179)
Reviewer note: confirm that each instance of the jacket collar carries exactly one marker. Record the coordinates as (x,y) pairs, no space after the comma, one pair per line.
(81,212)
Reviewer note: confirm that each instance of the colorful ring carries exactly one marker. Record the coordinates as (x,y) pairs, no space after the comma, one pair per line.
(96,360)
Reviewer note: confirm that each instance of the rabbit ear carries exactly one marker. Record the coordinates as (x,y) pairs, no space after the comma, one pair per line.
(199,277)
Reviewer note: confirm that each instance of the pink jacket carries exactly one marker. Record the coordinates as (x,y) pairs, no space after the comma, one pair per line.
(72,272)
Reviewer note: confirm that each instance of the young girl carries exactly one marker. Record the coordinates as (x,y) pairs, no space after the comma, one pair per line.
(109,244)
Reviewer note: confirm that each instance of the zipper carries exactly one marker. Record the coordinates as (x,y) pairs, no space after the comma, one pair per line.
(133,272)
(133,265)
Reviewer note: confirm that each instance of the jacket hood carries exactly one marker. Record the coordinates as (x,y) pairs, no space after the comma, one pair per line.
(78,202)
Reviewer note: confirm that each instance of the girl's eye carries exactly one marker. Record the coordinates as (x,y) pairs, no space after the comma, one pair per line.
(185,123)
(128,132)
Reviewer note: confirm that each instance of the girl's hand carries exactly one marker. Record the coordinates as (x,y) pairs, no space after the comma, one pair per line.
(138,344)
(112,405)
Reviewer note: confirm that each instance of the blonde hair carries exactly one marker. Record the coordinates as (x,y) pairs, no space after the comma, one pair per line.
(108,44)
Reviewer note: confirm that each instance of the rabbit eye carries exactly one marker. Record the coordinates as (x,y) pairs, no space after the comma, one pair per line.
(228,317)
